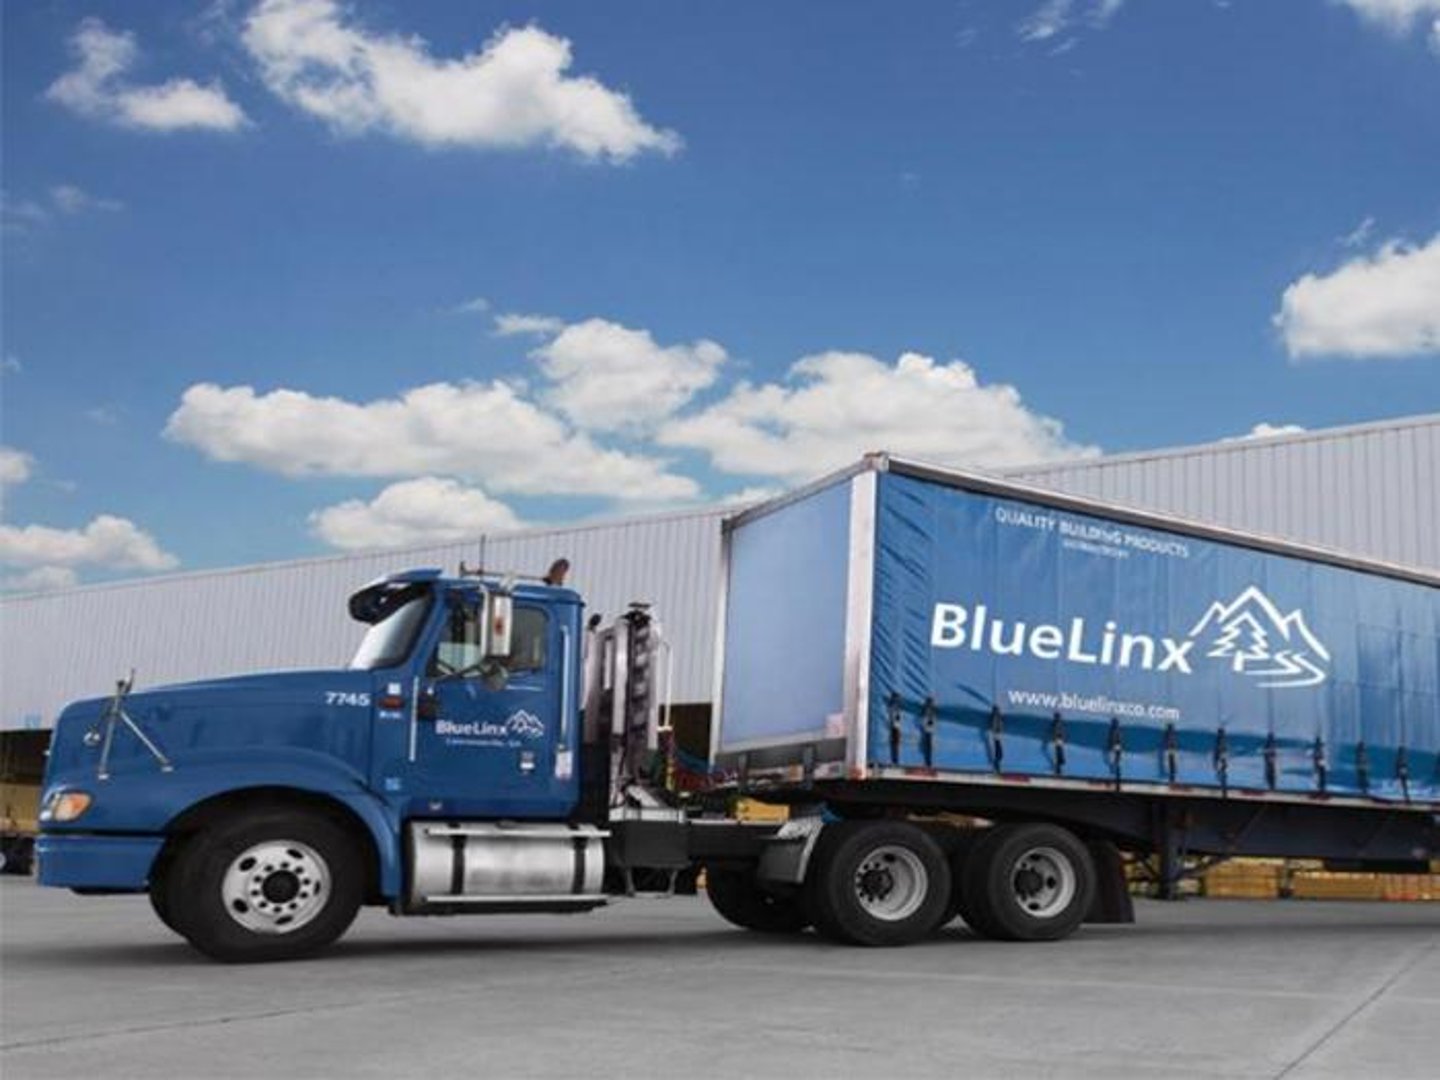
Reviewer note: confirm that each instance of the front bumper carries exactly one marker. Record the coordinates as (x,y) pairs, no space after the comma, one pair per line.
(81,861)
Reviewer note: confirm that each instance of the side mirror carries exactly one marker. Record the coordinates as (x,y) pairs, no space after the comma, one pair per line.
(501,614)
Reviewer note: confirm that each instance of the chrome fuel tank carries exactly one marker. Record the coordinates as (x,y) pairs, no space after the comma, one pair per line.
(504,865)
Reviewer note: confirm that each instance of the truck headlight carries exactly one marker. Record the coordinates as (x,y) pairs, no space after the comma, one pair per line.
(65,806)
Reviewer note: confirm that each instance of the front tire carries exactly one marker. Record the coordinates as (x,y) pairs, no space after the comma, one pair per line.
(738,898)
(1028,883)
(877,883)
(270,885)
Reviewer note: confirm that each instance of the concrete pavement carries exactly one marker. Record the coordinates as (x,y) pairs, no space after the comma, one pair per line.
(664,988)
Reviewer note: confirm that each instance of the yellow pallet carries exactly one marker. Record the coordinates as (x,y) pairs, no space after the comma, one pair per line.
(1249,879)
(1410,887)
(1320,885)
(755,811)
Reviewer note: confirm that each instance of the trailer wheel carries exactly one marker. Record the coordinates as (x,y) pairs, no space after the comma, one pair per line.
(877,883)
(1028,883)
(270,885)
(738,898)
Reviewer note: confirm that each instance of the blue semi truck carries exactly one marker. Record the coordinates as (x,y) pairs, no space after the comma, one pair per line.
(971,693)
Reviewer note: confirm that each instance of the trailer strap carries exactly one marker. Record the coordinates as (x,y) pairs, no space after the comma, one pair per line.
(1222,761)
(927,732)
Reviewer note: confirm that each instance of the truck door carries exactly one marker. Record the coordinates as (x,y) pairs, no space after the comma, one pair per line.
(486,740)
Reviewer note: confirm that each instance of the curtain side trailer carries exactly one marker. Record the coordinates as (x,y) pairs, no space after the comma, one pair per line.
(906,640)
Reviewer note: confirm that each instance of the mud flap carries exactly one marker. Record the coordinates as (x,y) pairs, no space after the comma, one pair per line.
(1112,903)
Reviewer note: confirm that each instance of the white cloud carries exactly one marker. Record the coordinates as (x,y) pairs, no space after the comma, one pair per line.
(1383,305)
(608,377)
(40,579)
(107,414)
(514,324)
(16,466)
(11,365)
(18,215)
(1396,15)
(109,541)
(1046,21)
(512,93)
(749,495)
(1104,11)
(1054,18)
(1265,430)
(476,306)
(1401,17)
(70,199)
(1360,235)
(836,406)
(484,432)
(429,509)
(97,88)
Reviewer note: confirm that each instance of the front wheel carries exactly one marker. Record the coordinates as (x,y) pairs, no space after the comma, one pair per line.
(738,898)
(271,885)
(878,883)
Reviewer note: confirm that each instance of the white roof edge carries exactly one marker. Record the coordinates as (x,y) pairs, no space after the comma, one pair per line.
(1234,444)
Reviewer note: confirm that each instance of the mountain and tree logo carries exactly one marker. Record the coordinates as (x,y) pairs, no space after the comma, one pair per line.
(525,724)
(1258,641)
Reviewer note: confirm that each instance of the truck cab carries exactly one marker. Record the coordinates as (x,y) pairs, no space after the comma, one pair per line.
(461,762)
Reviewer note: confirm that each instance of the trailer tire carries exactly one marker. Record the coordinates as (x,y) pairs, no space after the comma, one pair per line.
(877,883)
(738,898)
(1030,882)
(273,884)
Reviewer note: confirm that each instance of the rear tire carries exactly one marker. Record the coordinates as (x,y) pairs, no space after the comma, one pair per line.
(738,898)
(1028,883)
(274,884)
(877,883)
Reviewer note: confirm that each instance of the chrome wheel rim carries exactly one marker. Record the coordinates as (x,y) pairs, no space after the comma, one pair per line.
(891,883)
(276,887)
(1044,882)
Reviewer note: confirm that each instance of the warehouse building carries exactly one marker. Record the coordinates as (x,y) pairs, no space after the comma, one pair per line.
(1370,489)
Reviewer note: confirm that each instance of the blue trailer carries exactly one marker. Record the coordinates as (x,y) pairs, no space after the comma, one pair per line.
(972,694)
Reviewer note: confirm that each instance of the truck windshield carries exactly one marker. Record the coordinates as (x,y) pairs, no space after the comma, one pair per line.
(389,640)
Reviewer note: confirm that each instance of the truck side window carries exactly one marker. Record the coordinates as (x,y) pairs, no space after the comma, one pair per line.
(459,647)
(528,639)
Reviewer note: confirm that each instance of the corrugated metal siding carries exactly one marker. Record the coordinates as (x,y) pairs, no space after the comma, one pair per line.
(60,646)
(1372,490)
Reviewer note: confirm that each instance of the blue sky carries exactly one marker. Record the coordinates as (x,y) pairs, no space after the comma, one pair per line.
(259,259)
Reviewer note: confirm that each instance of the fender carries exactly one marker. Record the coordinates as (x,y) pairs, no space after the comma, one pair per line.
(145,801)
